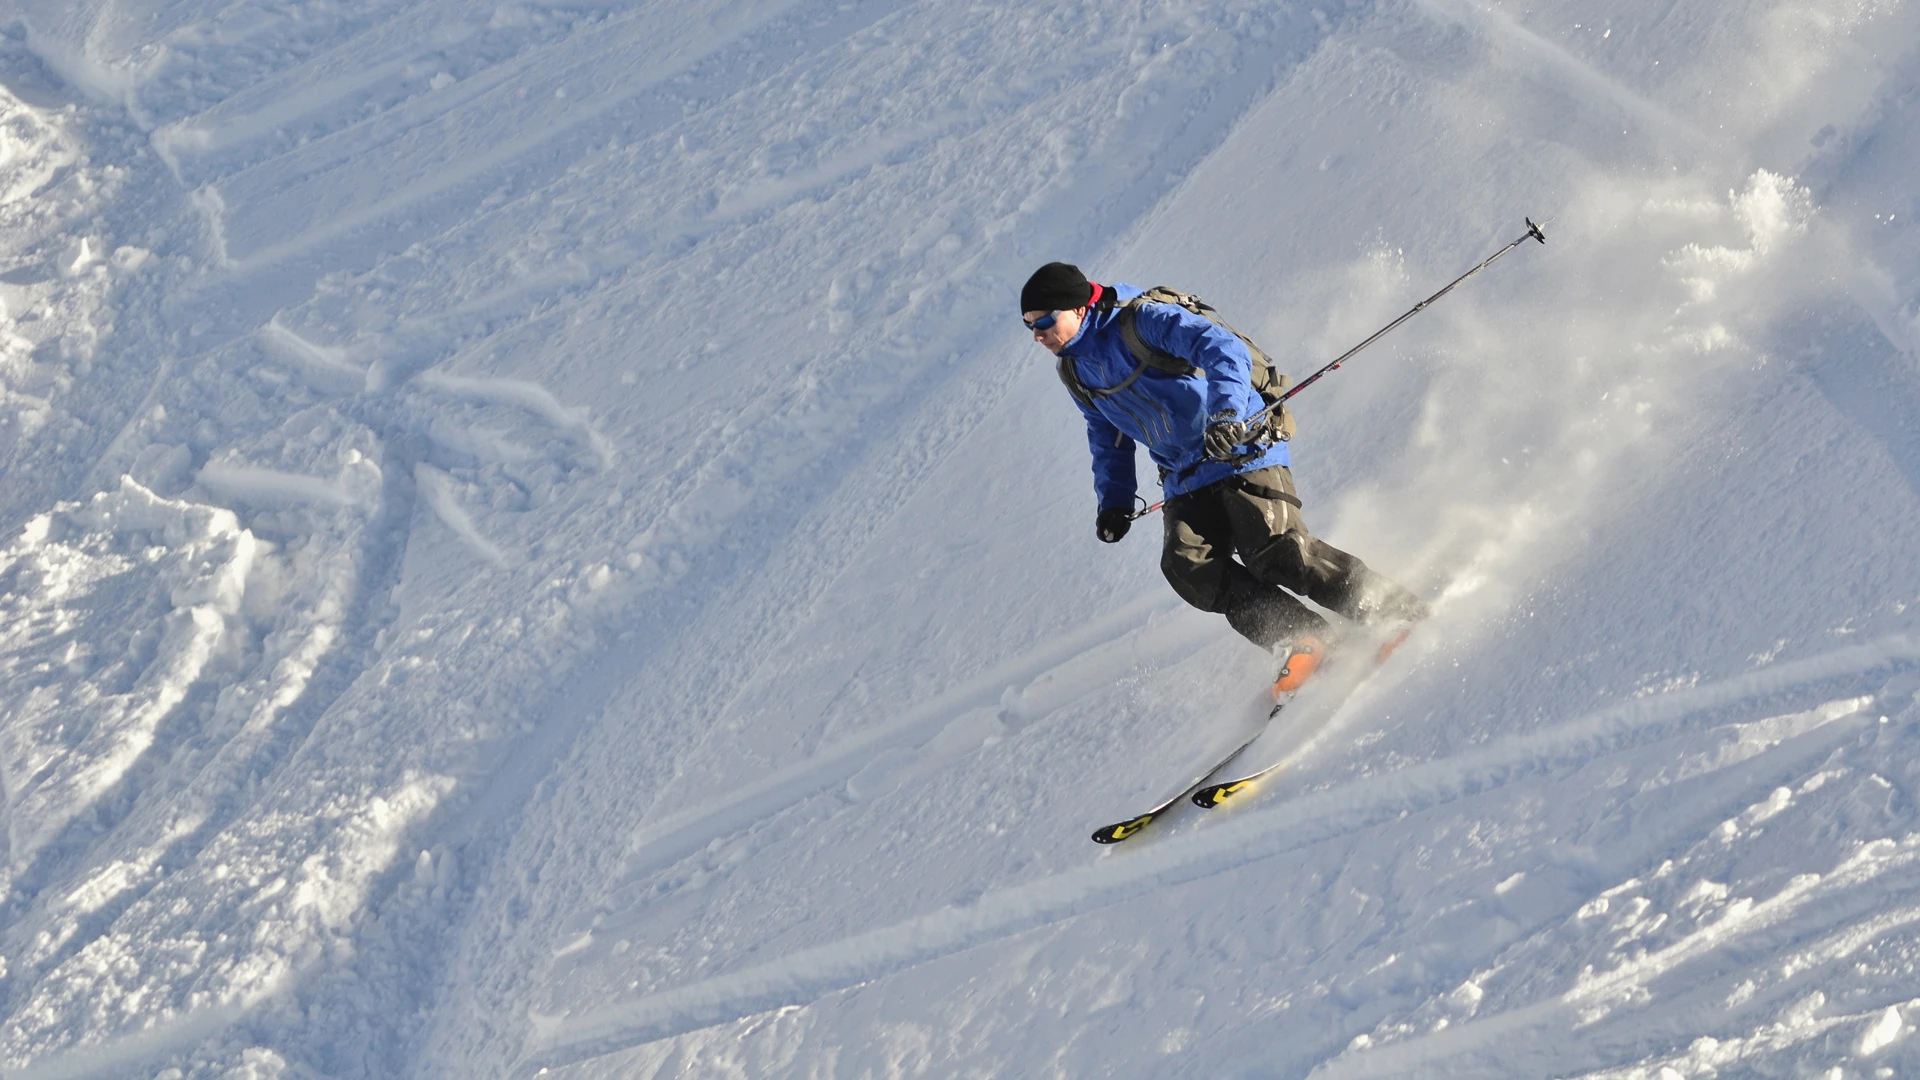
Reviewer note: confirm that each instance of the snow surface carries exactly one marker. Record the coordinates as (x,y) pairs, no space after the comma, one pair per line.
(531,540)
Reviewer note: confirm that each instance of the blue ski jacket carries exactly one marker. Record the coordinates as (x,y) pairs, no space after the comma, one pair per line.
(1166,413)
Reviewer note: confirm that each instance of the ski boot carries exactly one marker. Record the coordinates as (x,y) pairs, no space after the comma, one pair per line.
(1301,658)
(1396,636)
(1393,612)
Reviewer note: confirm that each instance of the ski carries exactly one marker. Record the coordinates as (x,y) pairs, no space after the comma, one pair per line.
(1120,830)
(1213,795)
(1208,796)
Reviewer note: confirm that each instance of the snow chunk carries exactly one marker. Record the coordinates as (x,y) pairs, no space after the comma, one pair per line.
(1883,1032)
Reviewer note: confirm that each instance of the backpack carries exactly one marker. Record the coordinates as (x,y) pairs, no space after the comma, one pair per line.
(1268,382)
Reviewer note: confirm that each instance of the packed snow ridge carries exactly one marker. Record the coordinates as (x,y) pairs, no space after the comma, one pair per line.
(531,542)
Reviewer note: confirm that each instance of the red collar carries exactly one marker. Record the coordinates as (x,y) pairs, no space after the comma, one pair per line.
(1097,290)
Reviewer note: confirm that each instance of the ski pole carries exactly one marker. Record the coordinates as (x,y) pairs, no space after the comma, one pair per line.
(1533,233)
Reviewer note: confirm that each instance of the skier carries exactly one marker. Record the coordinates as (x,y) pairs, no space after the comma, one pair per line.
(1228,484)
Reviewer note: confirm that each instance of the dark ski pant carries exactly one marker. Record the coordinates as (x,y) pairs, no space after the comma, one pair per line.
(1256,515)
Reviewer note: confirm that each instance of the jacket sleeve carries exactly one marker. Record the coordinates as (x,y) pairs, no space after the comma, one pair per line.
(1114,483)
(1211,348)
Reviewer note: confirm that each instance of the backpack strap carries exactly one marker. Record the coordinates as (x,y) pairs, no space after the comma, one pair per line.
(1267,380)
(1070,375)
(1148,355)
(1069,378)
(1085,394)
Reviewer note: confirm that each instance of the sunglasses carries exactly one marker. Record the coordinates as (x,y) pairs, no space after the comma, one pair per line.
(1044,322)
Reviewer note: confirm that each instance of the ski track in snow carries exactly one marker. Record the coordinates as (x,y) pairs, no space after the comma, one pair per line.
(300,614)
(1833,899)
(1023,692)
(804,976)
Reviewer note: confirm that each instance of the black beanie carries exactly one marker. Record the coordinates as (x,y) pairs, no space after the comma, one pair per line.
(1056,286)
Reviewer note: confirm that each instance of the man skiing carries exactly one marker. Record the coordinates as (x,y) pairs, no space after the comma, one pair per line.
(1185,386)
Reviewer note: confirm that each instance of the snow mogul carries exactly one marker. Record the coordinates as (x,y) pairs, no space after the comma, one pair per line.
(1159,367)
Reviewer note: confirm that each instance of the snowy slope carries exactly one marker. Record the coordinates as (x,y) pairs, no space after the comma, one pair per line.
(530,539)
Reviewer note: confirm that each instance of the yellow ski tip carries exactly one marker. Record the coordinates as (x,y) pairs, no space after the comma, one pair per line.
(1210,797)
(1113,834)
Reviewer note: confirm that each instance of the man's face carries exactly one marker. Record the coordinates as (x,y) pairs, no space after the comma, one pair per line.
(1065,325)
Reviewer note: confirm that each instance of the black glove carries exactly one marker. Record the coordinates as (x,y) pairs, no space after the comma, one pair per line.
(1221,437)
(1113,524)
